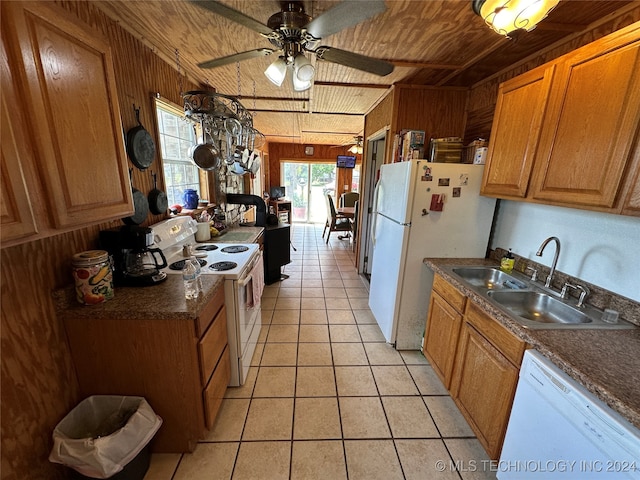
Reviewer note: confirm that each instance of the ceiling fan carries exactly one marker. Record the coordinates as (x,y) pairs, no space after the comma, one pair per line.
(355,145)
(293,32)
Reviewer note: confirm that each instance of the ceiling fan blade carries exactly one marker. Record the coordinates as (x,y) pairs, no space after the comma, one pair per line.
(236,57)
(354,60)
(231,14)
(344,15)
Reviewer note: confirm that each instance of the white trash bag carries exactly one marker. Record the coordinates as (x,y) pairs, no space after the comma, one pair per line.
(103,433)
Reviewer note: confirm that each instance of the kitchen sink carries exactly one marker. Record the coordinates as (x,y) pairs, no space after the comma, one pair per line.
(539,307)
(530,303)
(488,278)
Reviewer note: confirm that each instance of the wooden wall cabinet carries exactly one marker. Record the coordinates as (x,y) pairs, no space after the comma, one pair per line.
(588,131)
(485,377)
(180,366)
(522,102)
(446,307)
(63,80)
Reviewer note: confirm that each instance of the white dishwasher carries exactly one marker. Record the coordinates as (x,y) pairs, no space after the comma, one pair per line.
(559,430)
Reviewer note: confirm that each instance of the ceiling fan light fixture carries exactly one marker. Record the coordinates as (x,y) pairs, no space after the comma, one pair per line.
(302,68)
(300,85)
(277,71)
(508,16)
(356,149)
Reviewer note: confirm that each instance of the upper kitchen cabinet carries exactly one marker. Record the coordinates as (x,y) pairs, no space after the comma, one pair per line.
(591,124)
(564,133)
(515,133)
(73,157)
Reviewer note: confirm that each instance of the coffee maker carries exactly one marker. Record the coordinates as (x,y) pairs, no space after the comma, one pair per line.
(135,264)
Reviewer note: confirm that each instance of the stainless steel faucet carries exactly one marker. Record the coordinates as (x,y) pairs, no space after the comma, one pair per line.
(555,257)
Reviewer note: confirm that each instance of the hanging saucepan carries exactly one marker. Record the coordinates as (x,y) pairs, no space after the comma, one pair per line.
(158,202)
(140,146)
(140,205)
(205,155)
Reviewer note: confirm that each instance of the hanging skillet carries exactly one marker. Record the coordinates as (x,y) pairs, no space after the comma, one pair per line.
(140,205)
(140,146)
(158,203)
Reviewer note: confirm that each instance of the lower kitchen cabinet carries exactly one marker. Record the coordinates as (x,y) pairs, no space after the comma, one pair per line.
(477,359)
(180,366)
(485,377)
(443,328)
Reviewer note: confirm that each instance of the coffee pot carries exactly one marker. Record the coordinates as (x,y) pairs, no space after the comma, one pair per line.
(146,262)
(135,264)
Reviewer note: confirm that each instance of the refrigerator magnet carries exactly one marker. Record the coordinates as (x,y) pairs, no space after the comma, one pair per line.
(427,174)
(456,192)
(443,182)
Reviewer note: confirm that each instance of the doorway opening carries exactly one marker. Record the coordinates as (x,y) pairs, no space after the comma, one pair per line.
(306,185)
(375,158)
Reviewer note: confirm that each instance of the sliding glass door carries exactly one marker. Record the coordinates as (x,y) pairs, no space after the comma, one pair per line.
(306,185)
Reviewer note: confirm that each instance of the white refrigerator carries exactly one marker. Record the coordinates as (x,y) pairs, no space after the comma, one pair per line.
(408,226)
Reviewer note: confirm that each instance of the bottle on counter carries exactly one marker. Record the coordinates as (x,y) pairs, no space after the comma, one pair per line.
(190,280)
(507,262)
(196,264)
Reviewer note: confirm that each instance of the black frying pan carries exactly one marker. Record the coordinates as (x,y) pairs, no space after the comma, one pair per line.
(140,205)
(140,146)
(158,202)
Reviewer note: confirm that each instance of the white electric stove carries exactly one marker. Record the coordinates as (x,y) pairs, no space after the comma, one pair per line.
(242,267)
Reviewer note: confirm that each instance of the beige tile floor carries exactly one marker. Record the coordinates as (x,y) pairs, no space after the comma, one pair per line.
(326,397)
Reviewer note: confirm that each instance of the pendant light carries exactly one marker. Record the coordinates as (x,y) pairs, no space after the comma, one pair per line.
(507,17)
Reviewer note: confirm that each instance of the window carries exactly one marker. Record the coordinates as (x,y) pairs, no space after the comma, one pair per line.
(177,136)
(355,179)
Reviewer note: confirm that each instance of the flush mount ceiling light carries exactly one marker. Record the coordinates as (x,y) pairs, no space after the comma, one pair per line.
(507,17)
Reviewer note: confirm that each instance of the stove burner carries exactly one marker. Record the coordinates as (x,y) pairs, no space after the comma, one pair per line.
(179,265)
(220,266)
(207,247)
(235,249)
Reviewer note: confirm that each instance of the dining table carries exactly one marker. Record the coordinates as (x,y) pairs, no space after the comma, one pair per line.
(348,212)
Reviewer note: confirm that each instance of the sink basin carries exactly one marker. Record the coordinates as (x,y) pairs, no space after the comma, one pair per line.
(488,278)
(539,307)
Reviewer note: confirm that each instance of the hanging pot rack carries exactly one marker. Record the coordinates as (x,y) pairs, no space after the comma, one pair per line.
(230,124)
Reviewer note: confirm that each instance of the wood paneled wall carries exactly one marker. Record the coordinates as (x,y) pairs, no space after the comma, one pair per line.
(39,384)
(483,96)
(438,111)
(321,153)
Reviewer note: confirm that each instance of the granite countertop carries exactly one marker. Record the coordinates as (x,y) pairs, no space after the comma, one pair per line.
(606,362)
(158,302)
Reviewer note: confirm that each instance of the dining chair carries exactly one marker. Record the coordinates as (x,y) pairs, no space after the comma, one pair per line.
(335,222)
(348,199)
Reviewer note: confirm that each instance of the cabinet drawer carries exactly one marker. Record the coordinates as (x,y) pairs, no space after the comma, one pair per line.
(214,393)
(505,341)
(211,345)
(209,311)
(450,293)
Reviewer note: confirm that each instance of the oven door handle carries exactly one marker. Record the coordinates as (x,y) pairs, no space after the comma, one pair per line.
(245,282)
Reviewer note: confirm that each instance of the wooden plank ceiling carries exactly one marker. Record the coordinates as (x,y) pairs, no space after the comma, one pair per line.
(430,42)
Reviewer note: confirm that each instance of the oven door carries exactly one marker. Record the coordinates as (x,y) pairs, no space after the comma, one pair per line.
(248,306)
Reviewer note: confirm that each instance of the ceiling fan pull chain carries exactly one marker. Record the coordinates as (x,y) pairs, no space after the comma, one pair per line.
(238,77)
(254,98)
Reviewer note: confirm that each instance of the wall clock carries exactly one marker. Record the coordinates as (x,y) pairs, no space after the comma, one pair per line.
(308,150)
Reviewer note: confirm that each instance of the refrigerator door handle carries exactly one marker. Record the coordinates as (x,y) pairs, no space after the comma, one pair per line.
(375,211)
